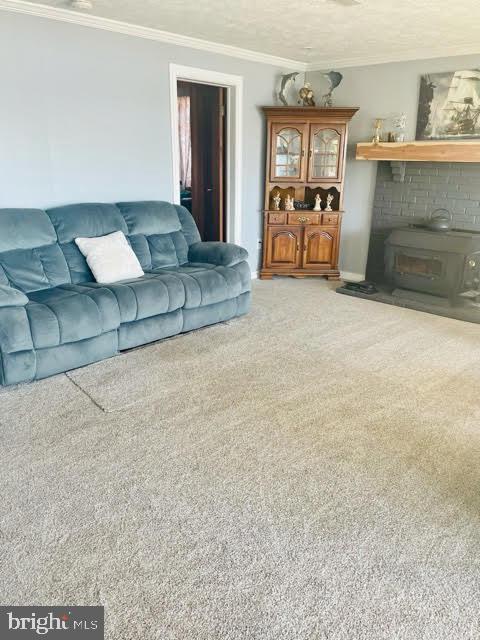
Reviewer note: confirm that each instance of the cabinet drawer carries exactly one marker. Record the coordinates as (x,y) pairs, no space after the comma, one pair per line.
(304,218)
(277,218)
(330,218)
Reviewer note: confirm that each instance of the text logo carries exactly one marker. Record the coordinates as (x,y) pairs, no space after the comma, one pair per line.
(58,623)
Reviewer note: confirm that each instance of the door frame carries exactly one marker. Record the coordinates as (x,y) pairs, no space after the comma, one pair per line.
(234,129)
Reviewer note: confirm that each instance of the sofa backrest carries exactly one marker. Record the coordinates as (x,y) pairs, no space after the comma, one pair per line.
(87,220)
(156,232)
(30,258)
(38,250)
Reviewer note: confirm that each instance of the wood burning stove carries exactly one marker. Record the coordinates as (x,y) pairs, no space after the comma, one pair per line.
(445,264)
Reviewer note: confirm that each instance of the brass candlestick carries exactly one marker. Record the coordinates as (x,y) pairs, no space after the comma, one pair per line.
(377,129)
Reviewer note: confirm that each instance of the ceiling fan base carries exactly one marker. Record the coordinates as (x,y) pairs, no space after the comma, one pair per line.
(346,3)
(84,5)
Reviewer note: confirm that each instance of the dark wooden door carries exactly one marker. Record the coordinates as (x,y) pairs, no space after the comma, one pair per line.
(207,123)
(283,247)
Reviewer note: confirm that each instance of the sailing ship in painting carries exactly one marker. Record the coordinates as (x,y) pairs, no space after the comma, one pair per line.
(449,105)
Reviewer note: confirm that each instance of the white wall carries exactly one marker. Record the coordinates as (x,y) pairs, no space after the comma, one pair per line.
(85,116)
(379,90)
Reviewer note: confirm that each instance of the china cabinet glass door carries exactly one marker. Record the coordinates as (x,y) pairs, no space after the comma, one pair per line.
(326,150)
(288,152)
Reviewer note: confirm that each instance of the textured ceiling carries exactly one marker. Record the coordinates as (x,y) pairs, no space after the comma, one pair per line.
(373,31)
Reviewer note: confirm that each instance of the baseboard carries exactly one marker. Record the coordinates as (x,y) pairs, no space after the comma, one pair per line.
(350,275)
(345,275)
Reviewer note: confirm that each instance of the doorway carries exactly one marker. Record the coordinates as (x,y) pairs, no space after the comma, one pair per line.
(202,159)
(233,142)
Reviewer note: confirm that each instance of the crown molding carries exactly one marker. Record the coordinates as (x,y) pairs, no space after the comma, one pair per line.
(408,55)
(116,26)
(149,33)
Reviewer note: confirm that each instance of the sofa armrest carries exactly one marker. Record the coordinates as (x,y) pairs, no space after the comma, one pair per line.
(10,297)
(15,333)
(223,254)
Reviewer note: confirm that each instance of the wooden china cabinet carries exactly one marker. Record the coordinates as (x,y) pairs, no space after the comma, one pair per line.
(306,149)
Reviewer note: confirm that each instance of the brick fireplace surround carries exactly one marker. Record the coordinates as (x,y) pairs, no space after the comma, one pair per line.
(427,186)
(433,271)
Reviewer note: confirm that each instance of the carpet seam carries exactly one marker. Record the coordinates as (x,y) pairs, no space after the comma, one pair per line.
(93,401)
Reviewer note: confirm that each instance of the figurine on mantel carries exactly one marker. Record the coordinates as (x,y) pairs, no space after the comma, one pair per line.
(329,202)
(377,130)
(400,124)
(289,206)
(276,201)
(318,202)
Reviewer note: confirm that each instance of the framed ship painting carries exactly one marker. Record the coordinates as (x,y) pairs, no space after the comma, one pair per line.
(449,105)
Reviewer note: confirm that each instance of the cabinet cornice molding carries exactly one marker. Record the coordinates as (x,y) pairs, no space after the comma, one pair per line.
(339,114)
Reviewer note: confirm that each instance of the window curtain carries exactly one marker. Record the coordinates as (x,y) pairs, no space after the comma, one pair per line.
(185,141)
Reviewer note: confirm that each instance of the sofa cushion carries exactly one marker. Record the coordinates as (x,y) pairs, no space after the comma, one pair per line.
(37,268)
(150,295)
(88,220)
(10,297)
(155,251)
(70,313)
(155,233)
(207,283)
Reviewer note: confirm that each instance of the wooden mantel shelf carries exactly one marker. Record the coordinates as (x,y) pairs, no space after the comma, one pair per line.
(421,151)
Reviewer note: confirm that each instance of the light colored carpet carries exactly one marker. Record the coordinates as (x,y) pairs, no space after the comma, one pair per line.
(309,472)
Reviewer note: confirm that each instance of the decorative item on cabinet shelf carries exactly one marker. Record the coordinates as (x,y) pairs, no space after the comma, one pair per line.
(287,83)
(318,203)
(276,200)
(289,203)
(334,79)
(301,204)
(281,193)
(306,95)
(312,192)
(329,202)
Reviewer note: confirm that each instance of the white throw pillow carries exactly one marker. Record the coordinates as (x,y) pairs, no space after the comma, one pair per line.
(110,257)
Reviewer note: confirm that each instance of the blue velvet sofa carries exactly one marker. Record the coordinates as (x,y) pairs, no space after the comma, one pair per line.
(54,316)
